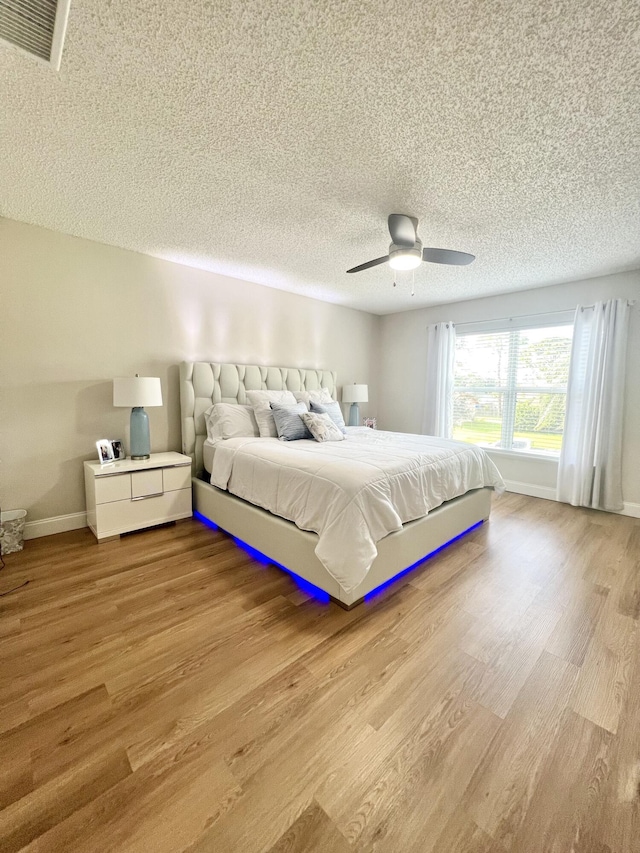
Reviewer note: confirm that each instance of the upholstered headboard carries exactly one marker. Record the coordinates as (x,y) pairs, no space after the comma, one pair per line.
(203,383)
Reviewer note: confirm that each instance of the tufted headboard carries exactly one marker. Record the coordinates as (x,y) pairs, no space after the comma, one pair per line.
(203,383)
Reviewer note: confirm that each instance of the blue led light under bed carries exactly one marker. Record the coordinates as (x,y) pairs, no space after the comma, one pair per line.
(314,591)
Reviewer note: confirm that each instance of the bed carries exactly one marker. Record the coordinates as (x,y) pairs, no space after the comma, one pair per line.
(351,478)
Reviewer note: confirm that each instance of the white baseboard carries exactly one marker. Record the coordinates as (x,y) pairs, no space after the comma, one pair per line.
(57,524)
(631,509)
(549,494)
(546,492)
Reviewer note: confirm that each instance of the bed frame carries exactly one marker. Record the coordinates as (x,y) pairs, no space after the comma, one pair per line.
(201,385)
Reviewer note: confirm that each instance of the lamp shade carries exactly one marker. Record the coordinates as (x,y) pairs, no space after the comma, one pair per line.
(136,391)
(355,393)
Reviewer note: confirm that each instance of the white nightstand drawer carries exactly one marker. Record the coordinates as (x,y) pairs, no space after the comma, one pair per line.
(115,518)
(114,488)
(176,478)
(144,484)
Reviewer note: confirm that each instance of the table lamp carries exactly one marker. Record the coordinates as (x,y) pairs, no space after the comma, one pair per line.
(136,392)
(355,394)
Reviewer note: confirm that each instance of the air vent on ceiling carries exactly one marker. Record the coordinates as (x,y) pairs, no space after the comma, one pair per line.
(36,27)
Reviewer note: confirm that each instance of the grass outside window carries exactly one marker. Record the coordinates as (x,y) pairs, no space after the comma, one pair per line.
(487,433)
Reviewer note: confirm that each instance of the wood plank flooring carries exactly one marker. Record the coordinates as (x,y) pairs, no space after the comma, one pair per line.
(166,693)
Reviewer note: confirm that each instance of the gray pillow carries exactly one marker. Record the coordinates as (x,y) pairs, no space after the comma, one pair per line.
(289,424)
(334,412)
(259,401)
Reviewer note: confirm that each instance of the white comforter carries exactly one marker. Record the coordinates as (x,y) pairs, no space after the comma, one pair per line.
(351,493)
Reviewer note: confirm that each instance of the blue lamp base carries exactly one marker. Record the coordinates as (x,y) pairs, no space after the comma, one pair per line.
(140,441)
(354,415)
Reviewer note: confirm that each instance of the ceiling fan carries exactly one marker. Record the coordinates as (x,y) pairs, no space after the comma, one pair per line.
(406,252)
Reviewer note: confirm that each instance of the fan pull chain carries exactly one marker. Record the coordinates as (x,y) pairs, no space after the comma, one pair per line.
(395,278)
(413,284)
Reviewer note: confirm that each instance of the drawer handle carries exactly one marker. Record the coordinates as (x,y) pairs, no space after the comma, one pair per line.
(145,497)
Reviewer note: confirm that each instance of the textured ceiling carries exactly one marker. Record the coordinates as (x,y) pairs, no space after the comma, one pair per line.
(269,140)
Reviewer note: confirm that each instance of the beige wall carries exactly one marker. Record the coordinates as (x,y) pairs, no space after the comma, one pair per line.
(403,369)
(74,314)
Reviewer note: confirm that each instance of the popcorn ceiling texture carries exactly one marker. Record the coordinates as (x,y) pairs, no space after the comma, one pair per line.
(269,140)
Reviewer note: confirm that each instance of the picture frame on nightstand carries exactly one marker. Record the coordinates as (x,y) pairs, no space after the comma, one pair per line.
(105,451)
(118,449)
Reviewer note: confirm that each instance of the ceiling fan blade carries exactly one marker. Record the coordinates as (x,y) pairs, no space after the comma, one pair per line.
(368,264)
(403,229)
(447,256)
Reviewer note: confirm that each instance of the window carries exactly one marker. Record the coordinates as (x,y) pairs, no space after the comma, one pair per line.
(510,388)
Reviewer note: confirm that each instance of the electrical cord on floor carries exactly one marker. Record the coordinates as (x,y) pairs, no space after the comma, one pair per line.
(9,591)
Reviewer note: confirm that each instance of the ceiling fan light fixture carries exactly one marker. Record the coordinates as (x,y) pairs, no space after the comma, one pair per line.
(405,258)
(406,252)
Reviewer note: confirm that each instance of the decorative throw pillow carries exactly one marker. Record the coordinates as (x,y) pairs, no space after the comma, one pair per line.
(289,423)
(321,427)
(230,420)
(261,401)
(333,410)
(320,396)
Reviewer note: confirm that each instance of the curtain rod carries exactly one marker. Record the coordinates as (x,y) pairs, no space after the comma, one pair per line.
(519,317)
(630,303)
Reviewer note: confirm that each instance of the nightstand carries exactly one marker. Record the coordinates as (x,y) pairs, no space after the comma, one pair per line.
(133,494)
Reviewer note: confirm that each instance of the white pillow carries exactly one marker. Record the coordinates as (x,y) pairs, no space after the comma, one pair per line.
(261,401)
(321,427)
(230,420)
(307,397)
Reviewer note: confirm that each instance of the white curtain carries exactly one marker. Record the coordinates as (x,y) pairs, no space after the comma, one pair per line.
(590,469)
(441,351)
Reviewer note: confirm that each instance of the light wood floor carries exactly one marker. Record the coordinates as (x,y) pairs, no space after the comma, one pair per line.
(165,692)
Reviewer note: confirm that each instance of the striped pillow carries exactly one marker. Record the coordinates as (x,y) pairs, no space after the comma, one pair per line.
(259,401)
(333,410)
(289,424)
